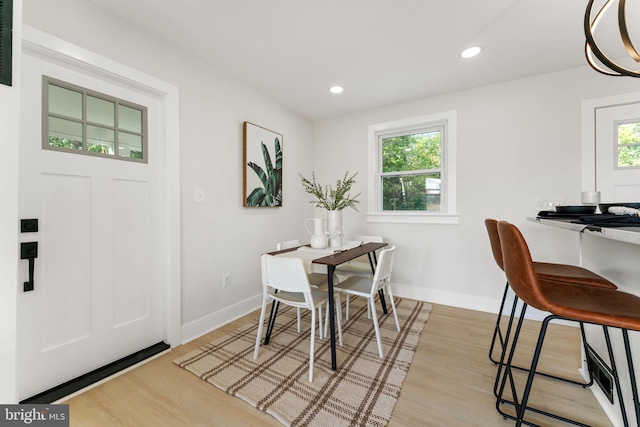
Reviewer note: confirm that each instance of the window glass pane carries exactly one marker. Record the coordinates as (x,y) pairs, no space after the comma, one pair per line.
(629,144)
(65,133)
(411,192)
(100,111)
(100,140)
(411,152)
(629,155)
(65,102)
(129,145)
(129,119)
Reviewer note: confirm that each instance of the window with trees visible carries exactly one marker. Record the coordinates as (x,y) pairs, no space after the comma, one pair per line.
(78,120)
(628,144)
(412,170)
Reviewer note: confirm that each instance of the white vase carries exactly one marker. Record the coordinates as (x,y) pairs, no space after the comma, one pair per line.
(334,228)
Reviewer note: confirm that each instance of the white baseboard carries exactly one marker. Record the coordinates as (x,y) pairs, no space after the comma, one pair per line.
(210,322)
(485,304)
(435,296)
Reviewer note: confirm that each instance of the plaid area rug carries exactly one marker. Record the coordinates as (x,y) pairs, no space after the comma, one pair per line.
(362,392)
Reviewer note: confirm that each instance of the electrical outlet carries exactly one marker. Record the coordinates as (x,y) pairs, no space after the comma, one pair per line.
(226,280)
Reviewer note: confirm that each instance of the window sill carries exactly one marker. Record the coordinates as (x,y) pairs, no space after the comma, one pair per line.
(413,218)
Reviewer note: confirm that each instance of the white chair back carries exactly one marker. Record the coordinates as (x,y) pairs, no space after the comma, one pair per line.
(384,267)
(368,239)
(286,275)
(288,244)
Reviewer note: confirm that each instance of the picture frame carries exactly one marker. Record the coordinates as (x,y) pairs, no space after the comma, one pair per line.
(262,167)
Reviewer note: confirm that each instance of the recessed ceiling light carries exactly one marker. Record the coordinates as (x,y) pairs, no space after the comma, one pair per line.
(336,89)
(470,52)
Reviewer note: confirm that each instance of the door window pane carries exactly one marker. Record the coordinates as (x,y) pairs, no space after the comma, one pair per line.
(100,111)
(65,102)
(130,145)
(65,133)
(100,140)
(130,119)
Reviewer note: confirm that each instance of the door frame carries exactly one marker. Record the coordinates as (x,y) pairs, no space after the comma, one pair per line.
(589,108)
(41,43)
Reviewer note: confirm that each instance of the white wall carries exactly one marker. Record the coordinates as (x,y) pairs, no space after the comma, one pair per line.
(218,236)
(517,141)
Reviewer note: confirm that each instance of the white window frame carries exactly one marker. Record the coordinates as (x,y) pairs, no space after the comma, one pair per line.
(447,213)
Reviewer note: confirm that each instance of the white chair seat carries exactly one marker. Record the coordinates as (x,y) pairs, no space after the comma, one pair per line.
(318,280)
(355,268)
(359,286)
(292,298)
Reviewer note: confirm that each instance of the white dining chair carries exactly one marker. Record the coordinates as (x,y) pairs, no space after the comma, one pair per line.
(317,280)
(289,277)
(359,267)
(368,288)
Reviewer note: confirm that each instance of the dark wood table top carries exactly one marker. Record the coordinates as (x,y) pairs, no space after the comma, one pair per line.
(349,254)
(342,256)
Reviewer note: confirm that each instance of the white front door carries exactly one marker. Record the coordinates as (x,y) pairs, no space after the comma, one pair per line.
(98,294)
(616,183)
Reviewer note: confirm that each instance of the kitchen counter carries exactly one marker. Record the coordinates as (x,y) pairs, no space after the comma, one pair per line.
(622,234)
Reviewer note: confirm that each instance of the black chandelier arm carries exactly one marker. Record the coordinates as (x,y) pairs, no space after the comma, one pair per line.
(591,47)
(624,32)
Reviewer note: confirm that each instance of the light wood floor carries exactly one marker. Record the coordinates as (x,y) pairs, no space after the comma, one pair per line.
(450,383)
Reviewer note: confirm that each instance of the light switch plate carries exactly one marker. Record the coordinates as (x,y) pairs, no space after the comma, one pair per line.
(199,195)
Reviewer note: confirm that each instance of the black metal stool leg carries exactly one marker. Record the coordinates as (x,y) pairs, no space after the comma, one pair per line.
(497,333)
(506,341)
(632,374)
(503,342)
(616,379)
(521,405)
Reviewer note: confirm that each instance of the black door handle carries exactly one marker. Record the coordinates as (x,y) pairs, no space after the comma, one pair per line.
(29,250)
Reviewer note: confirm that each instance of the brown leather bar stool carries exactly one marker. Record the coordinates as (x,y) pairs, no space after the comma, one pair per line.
(560,273)
(586,304)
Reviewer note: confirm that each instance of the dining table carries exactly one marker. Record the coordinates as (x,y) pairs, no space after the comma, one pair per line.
(331,258)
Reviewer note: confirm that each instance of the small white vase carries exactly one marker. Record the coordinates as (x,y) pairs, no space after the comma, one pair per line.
(334,228)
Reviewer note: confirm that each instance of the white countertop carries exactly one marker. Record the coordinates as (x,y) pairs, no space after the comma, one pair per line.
(622,234)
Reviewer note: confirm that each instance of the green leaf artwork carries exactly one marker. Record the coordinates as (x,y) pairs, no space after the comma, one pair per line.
(270,193)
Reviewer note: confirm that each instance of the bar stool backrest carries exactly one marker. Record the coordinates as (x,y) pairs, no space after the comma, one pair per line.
(494,239)
(518,267)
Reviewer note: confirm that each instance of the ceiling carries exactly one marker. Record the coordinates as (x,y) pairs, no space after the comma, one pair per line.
(382,51)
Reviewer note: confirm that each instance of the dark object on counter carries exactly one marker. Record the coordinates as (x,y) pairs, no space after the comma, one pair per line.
(556,215)
(610,220)
(582,210)
(604,207)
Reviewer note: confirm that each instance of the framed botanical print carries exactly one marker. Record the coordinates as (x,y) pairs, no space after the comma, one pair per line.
(262,166)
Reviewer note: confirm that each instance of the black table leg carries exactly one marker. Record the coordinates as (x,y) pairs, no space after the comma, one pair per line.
(332,315)
(373,262)
(272,321)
